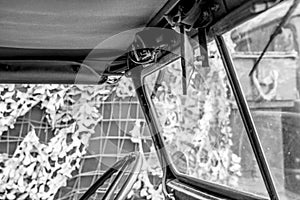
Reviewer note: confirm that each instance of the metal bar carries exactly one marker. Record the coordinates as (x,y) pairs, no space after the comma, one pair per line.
(235,17)
(76,55)
(247,119)
(121,120)
(115,168)
(268,55)
(154,21)
(182,54)
(121,155)
(276,32)
(140,88)
(94,173)
(203,46)
(116,138)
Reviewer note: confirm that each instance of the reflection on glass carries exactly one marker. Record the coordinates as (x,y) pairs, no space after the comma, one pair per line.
(202,130)
(272,91)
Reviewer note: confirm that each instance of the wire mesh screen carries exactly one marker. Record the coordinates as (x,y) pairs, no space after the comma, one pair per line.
(33,119)
(110,142)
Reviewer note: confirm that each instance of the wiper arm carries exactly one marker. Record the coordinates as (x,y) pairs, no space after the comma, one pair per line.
(276,32)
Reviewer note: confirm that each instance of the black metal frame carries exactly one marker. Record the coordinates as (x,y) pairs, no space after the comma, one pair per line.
(117,167)
(138,74)
(216,30)
(247,119)
(137,78)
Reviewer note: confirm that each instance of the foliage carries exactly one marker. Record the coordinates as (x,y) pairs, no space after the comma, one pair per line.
(197,124)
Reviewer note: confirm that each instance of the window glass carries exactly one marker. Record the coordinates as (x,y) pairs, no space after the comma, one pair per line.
(254,41)
(253,35)
(202,130)
(272,92)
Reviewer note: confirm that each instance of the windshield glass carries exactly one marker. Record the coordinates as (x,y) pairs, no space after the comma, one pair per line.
(202,130)
(272,91)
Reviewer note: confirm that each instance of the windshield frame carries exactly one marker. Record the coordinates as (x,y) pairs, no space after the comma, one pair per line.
(138,75)
(247,118)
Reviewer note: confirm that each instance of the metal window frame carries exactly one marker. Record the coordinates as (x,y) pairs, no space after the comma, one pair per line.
(138,74)
(247,118)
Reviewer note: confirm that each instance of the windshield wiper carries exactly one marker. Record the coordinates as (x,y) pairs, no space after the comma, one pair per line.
(276,32)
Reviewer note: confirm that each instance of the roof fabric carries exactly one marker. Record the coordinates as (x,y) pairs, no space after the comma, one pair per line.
(70,24)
